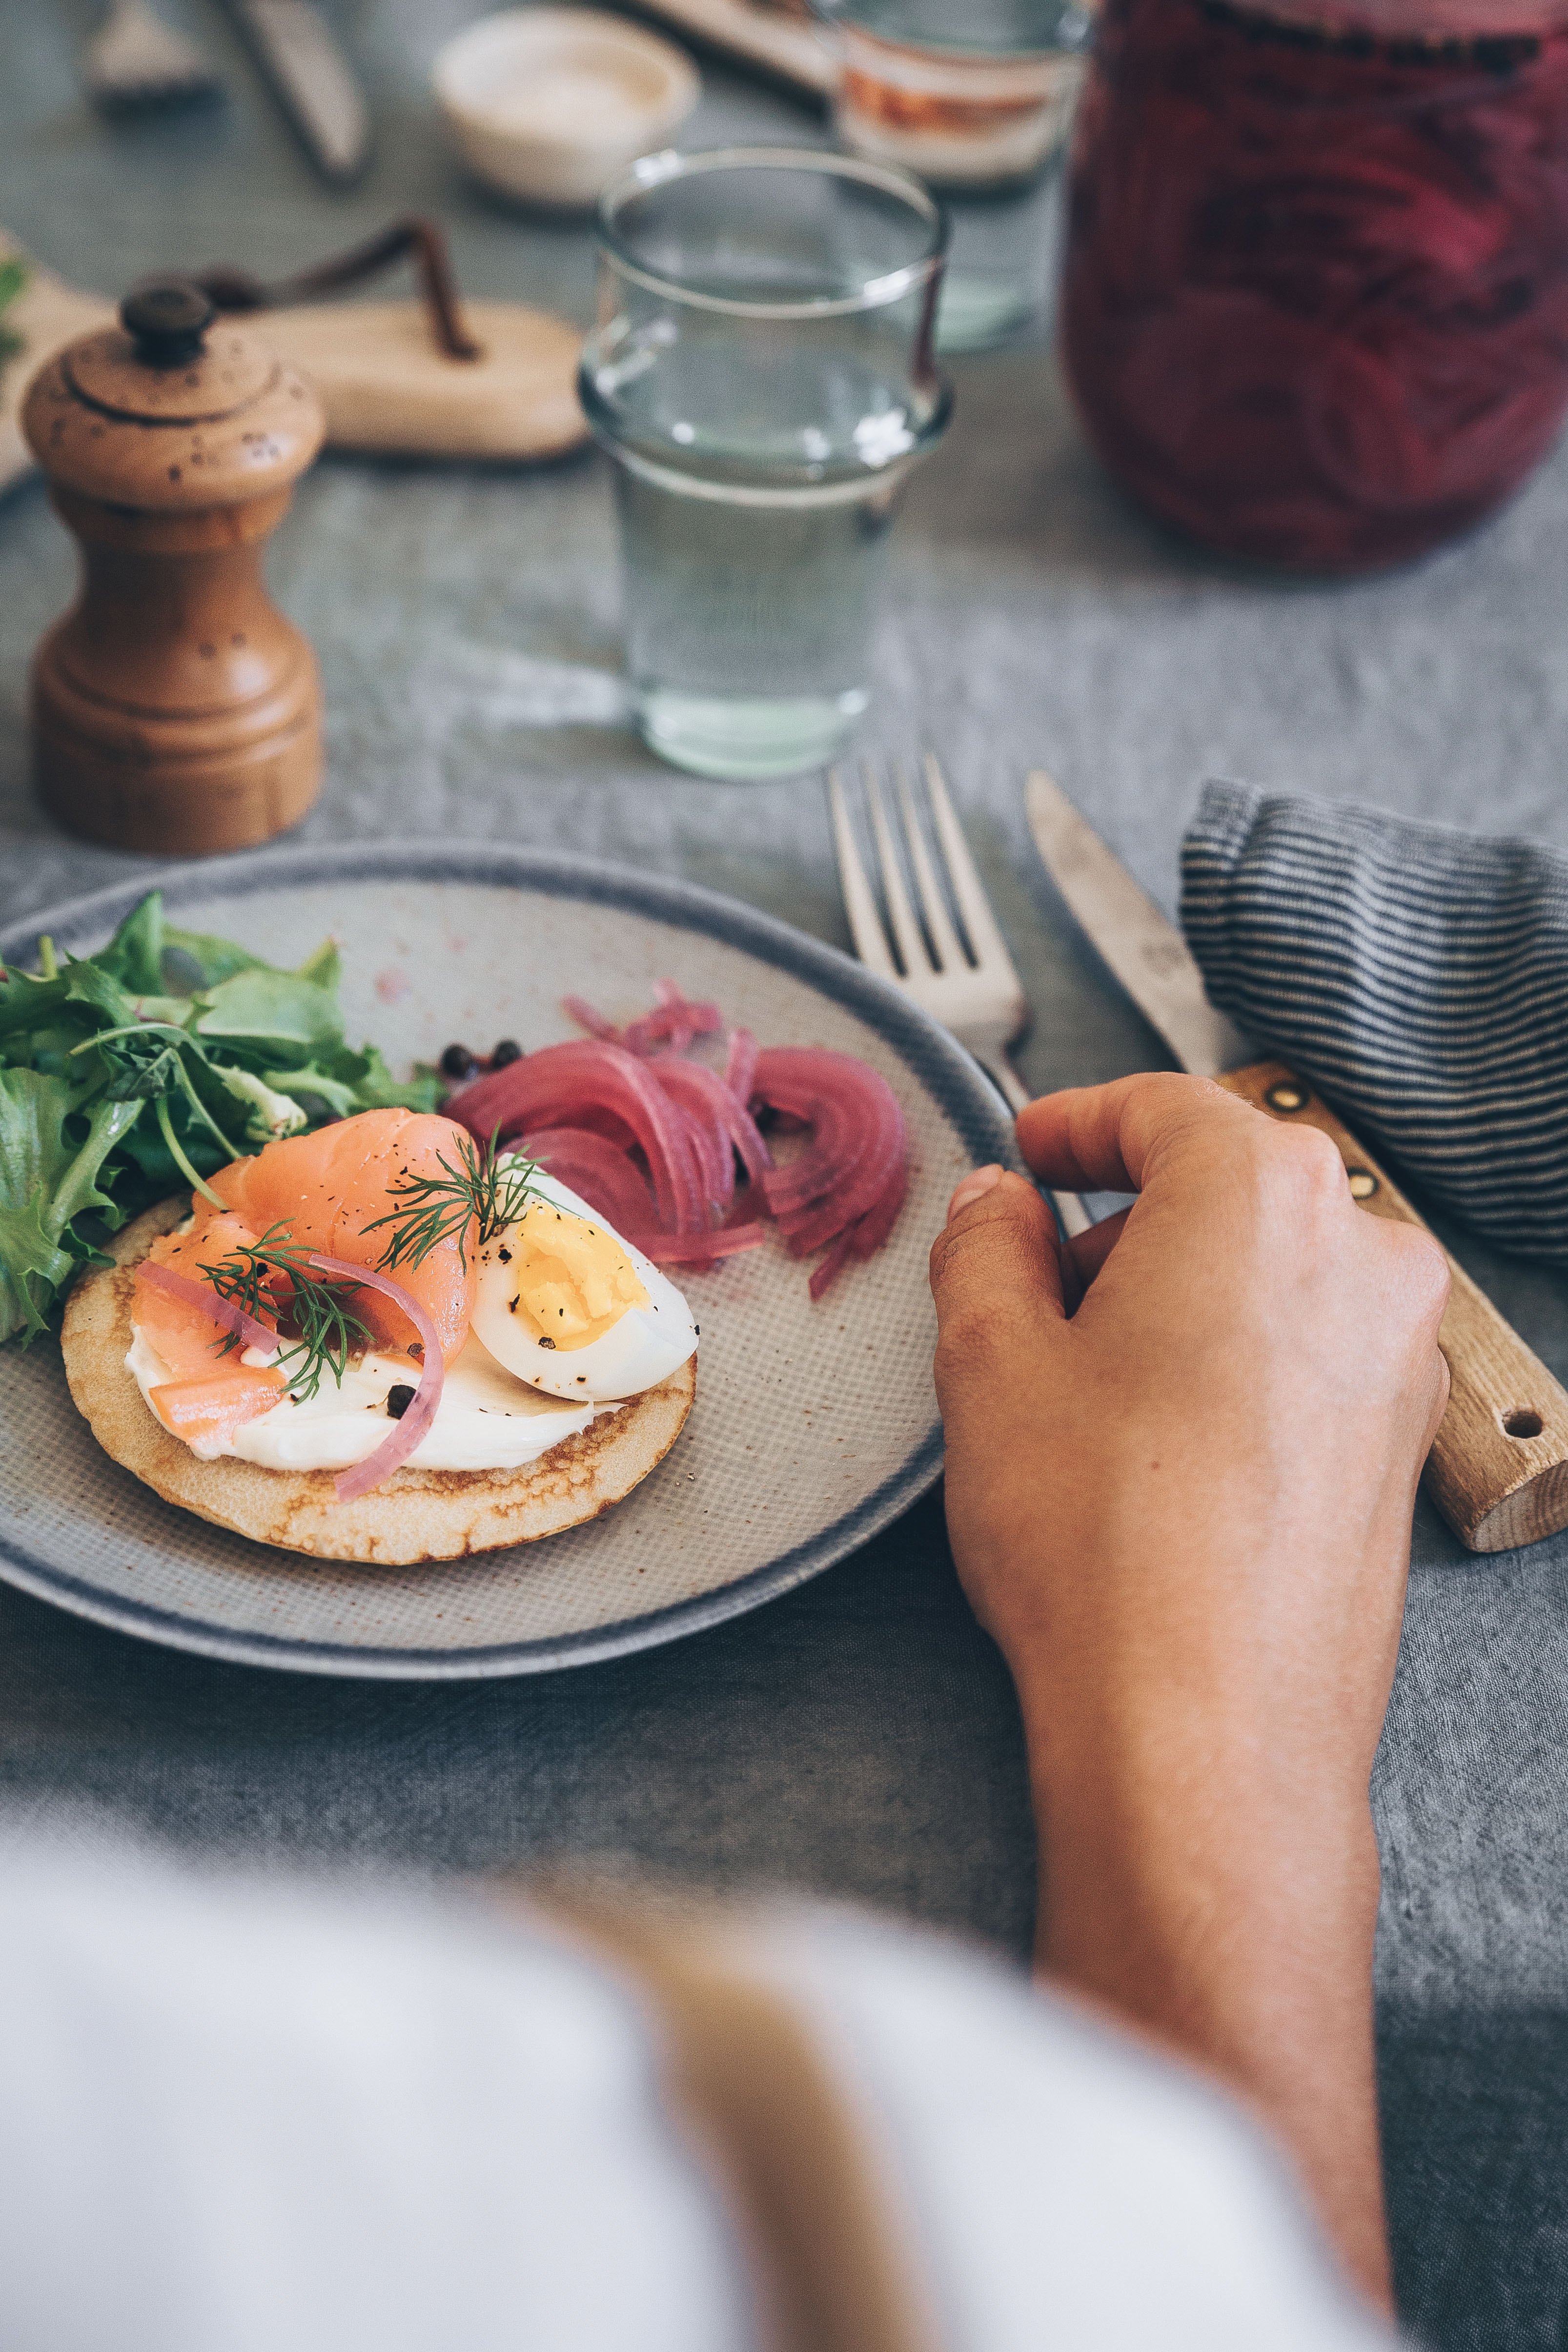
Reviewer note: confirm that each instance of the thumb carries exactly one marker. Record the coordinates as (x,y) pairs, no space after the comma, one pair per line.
(997,1279)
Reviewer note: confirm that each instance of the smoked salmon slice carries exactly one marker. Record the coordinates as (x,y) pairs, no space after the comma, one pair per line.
(192,1344)
(211,1393)
(324,1190)
(206,1413)
(445,1284)
(327,1188)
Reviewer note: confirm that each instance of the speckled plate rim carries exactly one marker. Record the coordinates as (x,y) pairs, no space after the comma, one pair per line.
(948,1073)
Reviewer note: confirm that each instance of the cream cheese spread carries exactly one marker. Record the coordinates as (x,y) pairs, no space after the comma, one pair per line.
(487,1419)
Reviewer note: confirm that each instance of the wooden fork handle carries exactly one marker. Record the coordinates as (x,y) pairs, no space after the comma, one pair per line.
(1498,1470)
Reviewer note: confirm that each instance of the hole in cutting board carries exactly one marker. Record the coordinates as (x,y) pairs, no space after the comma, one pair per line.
(1524,1421)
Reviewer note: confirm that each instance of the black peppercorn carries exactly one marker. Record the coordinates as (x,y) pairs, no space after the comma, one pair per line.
(399,1399)
(456,1062)
(508,1050)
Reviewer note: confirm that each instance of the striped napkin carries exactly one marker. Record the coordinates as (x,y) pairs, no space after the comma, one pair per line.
(1417,974)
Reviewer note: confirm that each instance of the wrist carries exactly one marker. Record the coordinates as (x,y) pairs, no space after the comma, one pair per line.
(1226,1916)
(1174,1814)
(1211,1918)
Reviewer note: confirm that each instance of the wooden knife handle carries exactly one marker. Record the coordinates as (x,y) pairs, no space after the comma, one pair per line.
(1498,1470)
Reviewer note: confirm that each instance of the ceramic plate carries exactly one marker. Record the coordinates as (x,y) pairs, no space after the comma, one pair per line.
(813,1425)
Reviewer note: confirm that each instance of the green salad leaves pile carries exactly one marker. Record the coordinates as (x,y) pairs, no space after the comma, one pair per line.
(13,277)
(127,1073)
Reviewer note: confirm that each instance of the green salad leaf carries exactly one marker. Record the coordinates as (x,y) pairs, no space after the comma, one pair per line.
(193,961)
(269,1114)
(48,1177)
(130,1073)
(276,1010)
(13,277)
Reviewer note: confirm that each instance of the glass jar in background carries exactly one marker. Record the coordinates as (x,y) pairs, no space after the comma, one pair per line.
(1316,299)
(762,373)
(975,95)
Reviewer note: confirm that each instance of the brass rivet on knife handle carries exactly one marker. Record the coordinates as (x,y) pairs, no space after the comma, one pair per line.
(1498,1470)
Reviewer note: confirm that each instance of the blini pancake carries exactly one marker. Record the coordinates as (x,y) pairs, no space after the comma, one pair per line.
(414,1516)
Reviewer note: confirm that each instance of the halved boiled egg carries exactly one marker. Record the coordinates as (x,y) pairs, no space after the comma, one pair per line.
(572,1309)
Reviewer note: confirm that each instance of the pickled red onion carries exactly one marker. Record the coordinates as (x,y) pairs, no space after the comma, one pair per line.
(857,1133)
(698,1249)
(584,1108)
(710,1160)
(674,1022)
(703,1093)
(848,1186)
(602,1175)
(709,1146)
(828,1269)
(740,1065)
(553,1087)
(864,1237)
(1314,307)
(403,1435)
(598,1171)
(234,1319)
(583,1013)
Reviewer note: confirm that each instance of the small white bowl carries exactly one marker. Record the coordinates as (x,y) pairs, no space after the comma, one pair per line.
(550,103)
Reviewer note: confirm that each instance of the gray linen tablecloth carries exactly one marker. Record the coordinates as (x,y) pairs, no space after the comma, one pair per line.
(858,1739)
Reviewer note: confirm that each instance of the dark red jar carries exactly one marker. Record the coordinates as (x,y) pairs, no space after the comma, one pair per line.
(1316,304)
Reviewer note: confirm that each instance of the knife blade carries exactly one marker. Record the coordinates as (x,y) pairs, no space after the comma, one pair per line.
(1498,1470)
(312,82)
(1147,954)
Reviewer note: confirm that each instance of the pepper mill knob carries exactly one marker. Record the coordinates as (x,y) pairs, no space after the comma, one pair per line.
(173,708)
(167,319)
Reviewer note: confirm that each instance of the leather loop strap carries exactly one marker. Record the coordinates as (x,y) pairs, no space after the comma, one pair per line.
(236,289)
(833,2258)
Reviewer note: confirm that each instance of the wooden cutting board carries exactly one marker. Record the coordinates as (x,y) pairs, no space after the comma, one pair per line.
(383,382)
(45,314)
(385,386)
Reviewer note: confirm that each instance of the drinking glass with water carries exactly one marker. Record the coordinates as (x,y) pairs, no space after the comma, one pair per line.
(761,372)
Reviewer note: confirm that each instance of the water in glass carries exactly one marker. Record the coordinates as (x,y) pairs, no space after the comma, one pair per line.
(763,423)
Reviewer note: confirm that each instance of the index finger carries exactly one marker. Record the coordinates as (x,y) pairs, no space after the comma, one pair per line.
(1108,1138)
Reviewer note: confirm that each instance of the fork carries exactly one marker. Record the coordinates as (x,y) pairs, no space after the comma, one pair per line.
(968,984)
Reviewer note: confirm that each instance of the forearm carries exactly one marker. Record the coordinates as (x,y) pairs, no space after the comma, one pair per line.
(1174,1893)
(1184,1512)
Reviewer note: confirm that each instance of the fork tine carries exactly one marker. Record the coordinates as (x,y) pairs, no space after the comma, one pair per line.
(906,931)
(950,954)
(859,902)
(989,946)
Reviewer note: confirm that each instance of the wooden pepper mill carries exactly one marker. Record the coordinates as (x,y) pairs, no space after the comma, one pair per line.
(173,707)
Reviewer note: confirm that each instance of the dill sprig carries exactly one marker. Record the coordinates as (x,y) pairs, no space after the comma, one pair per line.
(328,1331)
(432,1209)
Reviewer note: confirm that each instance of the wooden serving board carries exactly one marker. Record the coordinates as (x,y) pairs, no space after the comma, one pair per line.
(784,44)
(383,382)
(385,386)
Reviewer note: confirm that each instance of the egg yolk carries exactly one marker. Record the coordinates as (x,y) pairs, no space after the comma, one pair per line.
(574,1280)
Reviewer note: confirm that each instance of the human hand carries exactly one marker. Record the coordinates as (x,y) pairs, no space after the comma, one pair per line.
(1183,1513)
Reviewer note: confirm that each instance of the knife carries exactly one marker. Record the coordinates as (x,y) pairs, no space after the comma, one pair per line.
(311,80)
(1498,1470)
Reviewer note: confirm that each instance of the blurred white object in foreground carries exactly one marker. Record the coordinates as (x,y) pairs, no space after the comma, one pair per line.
(243,2114)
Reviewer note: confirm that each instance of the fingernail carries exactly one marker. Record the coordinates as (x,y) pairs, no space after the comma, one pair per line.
(974,1187)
